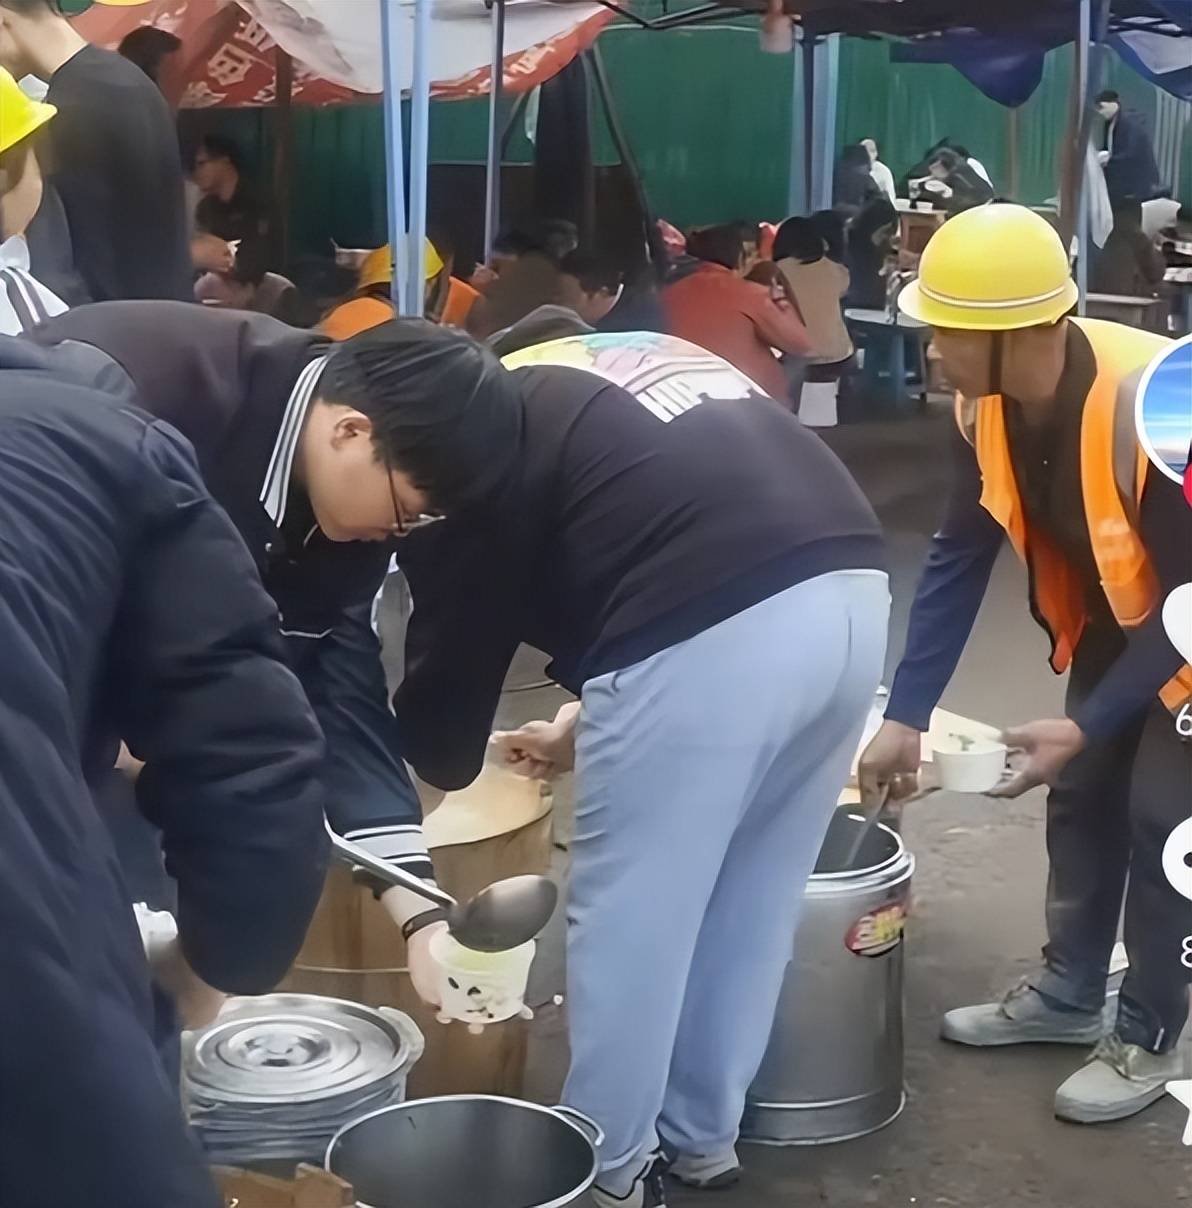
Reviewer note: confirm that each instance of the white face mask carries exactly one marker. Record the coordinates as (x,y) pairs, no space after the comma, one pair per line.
(35,89)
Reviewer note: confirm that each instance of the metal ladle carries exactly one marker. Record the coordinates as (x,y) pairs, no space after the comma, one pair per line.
(505,915)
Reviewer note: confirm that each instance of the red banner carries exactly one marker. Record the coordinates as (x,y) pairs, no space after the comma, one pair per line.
(227,57)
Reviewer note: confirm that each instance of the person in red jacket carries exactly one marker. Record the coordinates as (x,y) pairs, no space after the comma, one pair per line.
(744,322)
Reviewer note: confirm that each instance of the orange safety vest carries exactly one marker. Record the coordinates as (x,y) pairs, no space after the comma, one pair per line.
(1113,470)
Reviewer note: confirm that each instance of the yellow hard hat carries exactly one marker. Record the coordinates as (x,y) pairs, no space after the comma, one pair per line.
(994,268)
(377,266)
(19,116)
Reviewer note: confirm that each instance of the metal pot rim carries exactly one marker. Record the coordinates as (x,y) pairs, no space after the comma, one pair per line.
(856,878)
(542,1109)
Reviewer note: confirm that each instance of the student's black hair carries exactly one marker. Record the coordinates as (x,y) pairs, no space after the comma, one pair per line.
(723,244)
(799,239)
(147,46)
(1108,94)
(443,409)
(831,226)
(219,146)
(594,271)
(963,152)
(947,157)
(550,237)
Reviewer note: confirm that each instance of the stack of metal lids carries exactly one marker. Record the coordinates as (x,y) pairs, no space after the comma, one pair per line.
(276,1077)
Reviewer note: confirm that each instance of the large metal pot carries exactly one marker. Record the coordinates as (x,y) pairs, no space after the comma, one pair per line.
(467,1151)
(834,1066)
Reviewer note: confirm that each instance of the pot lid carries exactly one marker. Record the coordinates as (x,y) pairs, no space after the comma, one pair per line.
(291,1048)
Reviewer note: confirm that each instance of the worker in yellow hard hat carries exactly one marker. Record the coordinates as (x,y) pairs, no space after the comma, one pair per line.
(372,303)
(1047,454)
(34,242)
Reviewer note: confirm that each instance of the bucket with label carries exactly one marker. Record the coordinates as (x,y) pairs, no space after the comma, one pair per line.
(833,1069)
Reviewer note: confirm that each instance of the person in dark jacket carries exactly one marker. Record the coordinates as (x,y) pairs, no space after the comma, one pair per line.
(1129,265)
(670,538)
(1126,153)
(129,607)
(954,185)
(853,187)
(114,156)
(303,478)
(870,243)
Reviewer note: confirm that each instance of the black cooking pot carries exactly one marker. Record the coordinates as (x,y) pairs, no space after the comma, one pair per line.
(467,1151)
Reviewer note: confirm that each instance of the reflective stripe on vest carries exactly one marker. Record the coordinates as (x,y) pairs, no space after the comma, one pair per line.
(1113,470)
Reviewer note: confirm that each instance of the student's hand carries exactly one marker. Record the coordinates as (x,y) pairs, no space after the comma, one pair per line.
(540,750)
(402,905)
(889,765)
(424,969)
(211,254)
(1044,749)
(197,1003)
(482,277)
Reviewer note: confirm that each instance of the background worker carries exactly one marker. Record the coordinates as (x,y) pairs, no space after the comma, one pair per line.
(113,152)
(372,303)
(302,475)
(130,608)
(1046,453)
(1126,153)
(879,171)
(671,539)
(29,211)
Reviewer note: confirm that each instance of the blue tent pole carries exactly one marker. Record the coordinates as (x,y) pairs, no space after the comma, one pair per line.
(1082,194)
(492,197)
(796,190)
(827,74)
(419,153)
(395,171)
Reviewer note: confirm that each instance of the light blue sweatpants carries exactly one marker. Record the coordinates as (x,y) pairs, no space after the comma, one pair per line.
(706,776)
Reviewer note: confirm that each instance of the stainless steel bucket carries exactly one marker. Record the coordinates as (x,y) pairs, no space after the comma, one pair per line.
(461,1151)
(833,1069)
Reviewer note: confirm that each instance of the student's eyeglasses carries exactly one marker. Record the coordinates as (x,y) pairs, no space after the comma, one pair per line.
(403,524)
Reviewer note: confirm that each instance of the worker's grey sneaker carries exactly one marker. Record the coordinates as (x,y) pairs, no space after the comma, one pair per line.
(1119,1080)
(648,1190)
(1024,1016)
(711,1172)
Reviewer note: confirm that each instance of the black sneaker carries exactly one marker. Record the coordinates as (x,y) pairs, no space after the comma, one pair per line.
(648,1190)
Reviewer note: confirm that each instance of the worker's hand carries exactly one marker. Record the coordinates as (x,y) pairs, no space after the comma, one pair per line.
(540,750)
(211,254)
(889,766)
(1102,158)
(196,1002)
(482,277)
(1043,749)
(424,969)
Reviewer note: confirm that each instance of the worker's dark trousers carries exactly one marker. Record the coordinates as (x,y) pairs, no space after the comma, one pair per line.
(1107,819)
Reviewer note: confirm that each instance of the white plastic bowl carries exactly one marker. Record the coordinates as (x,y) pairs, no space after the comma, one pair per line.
(976,769)
(480,988)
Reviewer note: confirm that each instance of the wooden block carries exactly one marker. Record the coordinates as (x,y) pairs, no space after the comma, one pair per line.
(311,1188)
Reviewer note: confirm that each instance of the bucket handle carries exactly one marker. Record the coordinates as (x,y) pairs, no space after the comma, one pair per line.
(581,1123)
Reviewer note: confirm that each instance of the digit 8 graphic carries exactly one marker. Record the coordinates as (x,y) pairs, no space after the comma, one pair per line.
(1177,868)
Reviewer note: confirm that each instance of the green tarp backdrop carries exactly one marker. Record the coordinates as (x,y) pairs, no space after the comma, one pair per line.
(709,119)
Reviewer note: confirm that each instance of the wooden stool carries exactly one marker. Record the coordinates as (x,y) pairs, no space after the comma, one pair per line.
(310,1188)
(500,826)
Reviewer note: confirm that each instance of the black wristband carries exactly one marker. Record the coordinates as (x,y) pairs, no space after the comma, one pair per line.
(412,926)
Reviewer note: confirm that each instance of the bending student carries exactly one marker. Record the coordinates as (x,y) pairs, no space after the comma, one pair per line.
(129,607)
(301,471)
(707,576)
(1047,453)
